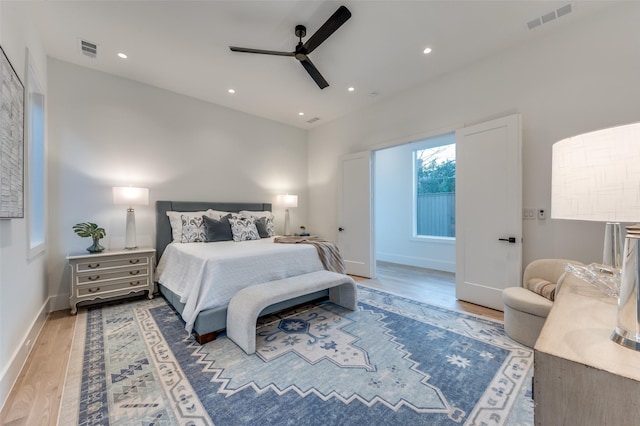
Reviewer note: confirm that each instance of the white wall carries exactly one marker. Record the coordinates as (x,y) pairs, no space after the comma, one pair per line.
(107,131)
(394,212)
(577,79)
(23,287)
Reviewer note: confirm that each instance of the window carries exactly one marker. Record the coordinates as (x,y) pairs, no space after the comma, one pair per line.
(435,183)
(35,165)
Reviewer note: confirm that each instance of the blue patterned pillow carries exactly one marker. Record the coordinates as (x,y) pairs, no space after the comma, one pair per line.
(244,228)
(193,229)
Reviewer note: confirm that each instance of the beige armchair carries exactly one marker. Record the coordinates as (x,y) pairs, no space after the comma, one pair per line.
(525,311)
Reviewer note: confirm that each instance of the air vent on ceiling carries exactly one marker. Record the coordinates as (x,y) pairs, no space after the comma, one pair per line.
(313,120)
(89,49)
(548,17)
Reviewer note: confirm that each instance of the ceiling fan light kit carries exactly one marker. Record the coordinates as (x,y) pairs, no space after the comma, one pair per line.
(302,50)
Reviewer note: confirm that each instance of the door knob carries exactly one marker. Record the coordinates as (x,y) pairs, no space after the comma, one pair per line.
(511,240)
(341,229)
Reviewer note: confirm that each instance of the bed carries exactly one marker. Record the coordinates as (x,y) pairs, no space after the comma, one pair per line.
(183,266)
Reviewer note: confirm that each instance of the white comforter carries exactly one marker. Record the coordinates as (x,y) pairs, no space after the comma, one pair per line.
(207,275)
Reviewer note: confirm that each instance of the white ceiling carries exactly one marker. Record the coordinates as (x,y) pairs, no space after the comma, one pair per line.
(183,46)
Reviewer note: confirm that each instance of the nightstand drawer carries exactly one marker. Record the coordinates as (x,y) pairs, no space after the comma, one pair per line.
(100,264)
(104,288)
(101,275)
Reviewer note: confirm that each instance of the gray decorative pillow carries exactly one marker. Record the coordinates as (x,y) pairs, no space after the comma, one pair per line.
(265,227)
(244,228)
(192,229)
(217,230)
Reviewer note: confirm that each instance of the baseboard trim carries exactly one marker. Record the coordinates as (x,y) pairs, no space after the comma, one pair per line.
(20,355)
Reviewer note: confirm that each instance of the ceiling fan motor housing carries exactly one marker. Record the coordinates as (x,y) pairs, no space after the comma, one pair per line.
(301,31)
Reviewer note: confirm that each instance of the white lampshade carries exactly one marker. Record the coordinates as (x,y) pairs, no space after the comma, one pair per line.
(287,200)
(130,196)
(596,176)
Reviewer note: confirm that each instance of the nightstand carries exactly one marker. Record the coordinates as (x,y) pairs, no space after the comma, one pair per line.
(110,273)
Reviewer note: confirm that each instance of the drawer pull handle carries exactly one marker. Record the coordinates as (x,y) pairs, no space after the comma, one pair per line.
(134,261)
(132,283)
(97,277)
(93,290)
(90,266)
(134,272)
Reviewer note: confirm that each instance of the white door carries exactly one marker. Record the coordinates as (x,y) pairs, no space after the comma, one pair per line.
(488,210)
(355,221)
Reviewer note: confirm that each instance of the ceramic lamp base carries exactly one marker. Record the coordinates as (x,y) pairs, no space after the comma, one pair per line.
(130,236)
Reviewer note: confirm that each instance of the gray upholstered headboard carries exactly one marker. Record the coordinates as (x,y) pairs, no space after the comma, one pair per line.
(163,226)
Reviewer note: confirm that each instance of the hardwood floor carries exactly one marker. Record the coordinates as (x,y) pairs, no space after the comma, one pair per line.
(35,398)
(425,285)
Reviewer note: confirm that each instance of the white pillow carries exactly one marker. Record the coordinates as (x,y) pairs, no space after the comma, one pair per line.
(256,214)
(175,219)
(216,214)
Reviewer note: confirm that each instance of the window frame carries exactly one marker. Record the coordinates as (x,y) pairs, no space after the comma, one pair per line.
(431,142)
(36,156)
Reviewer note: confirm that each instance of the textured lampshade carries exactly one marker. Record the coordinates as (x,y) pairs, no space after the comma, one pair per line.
(596,176)
(287,201)
(130,196)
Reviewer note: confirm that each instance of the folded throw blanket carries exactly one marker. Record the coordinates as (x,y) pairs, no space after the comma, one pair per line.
(327,251)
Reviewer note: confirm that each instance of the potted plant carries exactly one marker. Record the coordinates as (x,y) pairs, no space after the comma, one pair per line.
(303,232)
(88,229)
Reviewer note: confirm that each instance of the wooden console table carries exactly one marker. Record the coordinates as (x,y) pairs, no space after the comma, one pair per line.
(581,377)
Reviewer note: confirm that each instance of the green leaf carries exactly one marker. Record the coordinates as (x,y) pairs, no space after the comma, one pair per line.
(88,229)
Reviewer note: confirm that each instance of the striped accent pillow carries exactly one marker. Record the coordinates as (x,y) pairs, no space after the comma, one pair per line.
(542,287)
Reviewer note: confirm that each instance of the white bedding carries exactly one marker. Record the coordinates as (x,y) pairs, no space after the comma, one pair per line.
(207,275)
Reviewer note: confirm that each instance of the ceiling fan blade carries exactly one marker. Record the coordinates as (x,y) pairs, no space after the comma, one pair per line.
(264,52)
(336,20)
(314,73)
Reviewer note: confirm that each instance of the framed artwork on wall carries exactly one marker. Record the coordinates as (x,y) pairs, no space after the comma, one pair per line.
(11,141)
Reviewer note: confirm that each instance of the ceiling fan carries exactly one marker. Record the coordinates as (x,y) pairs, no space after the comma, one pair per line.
(334,22)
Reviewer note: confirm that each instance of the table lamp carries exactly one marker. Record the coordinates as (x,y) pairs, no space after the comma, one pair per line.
(596,177)
(287,201)
(130,196)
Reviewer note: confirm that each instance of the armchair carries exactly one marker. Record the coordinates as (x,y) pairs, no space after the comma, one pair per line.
(525,311)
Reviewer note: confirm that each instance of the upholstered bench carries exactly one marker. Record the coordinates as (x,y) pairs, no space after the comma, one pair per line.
(525,312)
(247,304)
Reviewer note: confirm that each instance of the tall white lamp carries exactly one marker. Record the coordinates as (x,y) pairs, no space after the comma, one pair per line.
(130,196)
(287,201)
(596,176)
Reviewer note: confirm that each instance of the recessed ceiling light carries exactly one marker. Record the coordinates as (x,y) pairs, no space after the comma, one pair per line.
(231,91)
(301,113)
(122,55)
(426,51)
(351,89)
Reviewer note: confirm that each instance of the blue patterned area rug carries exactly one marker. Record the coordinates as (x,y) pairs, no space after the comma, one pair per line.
(395,361)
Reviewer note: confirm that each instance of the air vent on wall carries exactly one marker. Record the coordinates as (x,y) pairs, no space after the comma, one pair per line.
(89,49)
(313,120)
(548,17)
